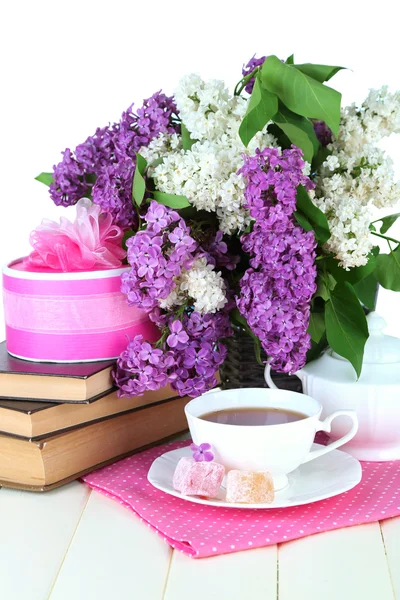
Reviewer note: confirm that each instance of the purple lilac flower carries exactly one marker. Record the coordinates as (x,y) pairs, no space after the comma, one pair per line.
(248,68)
(216,252)
(73,177)
(139,370)
(277,288)
(178,336)
(189,367)
(103,166)
(202,452)
(323,133)
(199,359)
(69,184)
(137,130)
(113,192)
(155,260)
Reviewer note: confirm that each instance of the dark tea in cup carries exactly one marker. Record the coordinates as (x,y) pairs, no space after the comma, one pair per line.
(253,416)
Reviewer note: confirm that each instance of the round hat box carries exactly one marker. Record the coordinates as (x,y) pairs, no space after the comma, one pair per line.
(69,317)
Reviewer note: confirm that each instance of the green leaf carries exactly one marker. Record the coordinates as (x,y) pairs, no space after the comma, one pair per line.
(261,108)
(302,221)
(299,130)
(300,93)
(46,178)
(156,162)
(290,59)
(313,214)
(128,234)
(353,275)
(366,290)
(282,138)
(238,318)
(171,200)
(316,349)
(346,325)
(325,284)
(257,349)
(388,221)
(316,326)
(139,184)
(187,141)
(387,270)
(319,72)
(320,157)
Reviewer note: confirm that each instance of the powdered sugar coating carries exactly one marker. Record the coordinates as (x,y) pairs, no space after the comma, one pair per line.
(193,478)
(249,487)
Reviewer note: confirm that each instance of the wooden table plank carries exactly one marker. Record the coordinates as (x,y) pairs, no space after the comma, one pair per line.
(250,575)
(113,555)
(346,563)
(35,532)
(391,536)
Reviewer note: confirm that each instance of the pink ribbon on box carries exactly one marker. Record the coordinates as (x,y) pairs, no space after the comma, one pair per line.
(69,317)
(72,348)
(82,314)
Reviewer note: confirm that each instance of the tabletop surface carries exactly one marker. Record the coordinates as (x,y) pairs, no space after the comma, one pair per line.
(74,543)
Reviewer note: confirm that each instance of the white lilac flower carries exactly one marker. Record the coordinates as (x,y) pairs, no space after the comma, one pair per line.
(349,221)
(205,107)
(200,283)
(358,176)
(207,173)
(376,118)
(159,147)
(381,113)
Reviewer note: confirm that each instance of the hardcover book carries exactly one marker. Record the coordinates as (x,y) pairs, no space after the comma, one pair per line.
(32,419)
(53,460)
(56,382)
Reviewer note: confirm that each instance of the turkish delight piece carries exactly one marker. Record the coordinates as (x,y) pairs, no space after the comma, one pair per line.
(249,487)
(193,478)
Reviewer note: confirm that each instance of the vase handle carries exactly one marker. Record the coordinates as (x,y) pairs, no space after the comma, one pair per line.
(268,378)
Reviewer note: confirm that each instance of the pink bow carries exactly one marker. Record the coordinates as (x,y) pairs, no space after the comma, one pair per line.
(92,241)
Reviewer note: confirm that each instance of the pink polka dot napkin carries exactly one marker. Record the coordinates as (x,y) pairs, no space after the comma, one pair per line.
(200,531)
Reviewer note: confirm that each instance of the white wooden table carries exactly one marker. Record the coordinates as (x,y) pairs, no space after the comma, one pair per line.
(75,544)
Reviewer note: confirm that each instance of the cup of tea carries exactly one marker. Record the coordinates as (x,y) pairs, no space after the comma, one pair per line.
(257,429)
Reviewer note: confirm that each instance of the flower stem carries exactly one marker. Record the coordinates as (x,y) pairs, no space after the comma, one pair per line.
(385,237)
(243,82)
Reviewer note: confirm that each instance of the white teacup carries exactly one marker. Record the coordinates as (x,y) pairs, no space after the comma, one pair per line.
(279,449)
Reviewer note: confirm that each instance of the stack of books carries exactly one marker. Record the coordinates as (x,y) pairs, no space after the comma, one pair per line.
(60,421)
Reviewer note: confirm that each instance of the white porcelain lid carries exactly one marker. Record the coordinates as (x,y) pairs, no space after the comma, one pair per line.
(379,348)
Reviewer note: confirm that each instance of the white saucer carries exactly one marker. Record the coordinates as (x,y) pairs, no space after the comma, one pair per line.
(324,477)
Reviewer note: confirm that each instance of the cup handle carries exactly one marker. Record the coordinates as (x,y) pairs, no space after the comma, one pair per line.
(325,425)
(268,378)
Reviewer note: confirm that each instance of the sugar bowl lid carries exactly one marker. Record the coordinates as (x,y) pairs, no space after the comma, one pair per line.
(379,348)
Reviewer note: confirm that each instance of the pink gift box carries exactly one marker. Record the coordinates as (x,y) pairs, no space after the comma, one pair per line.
(69,317)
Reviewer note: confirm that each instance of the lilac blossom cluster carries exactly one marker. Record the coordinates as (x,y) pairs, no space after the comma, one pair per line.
(103,165)
(189,351)
(323,133)
(217,254)
(157,255)
(187,359)
(275,292)
(249,68)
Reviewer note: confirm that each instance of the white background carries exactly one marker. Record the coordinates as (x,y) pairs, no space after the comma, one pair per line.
(68,67)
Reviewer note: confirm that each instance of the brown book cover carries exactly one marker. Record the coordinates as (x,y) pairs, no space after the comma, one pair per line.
(42,464)
(33,419)
(56,382)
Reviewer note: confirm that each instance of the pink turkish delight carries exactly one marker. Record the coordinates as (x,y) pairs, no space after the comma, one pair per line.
(193,478)
(249,487)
